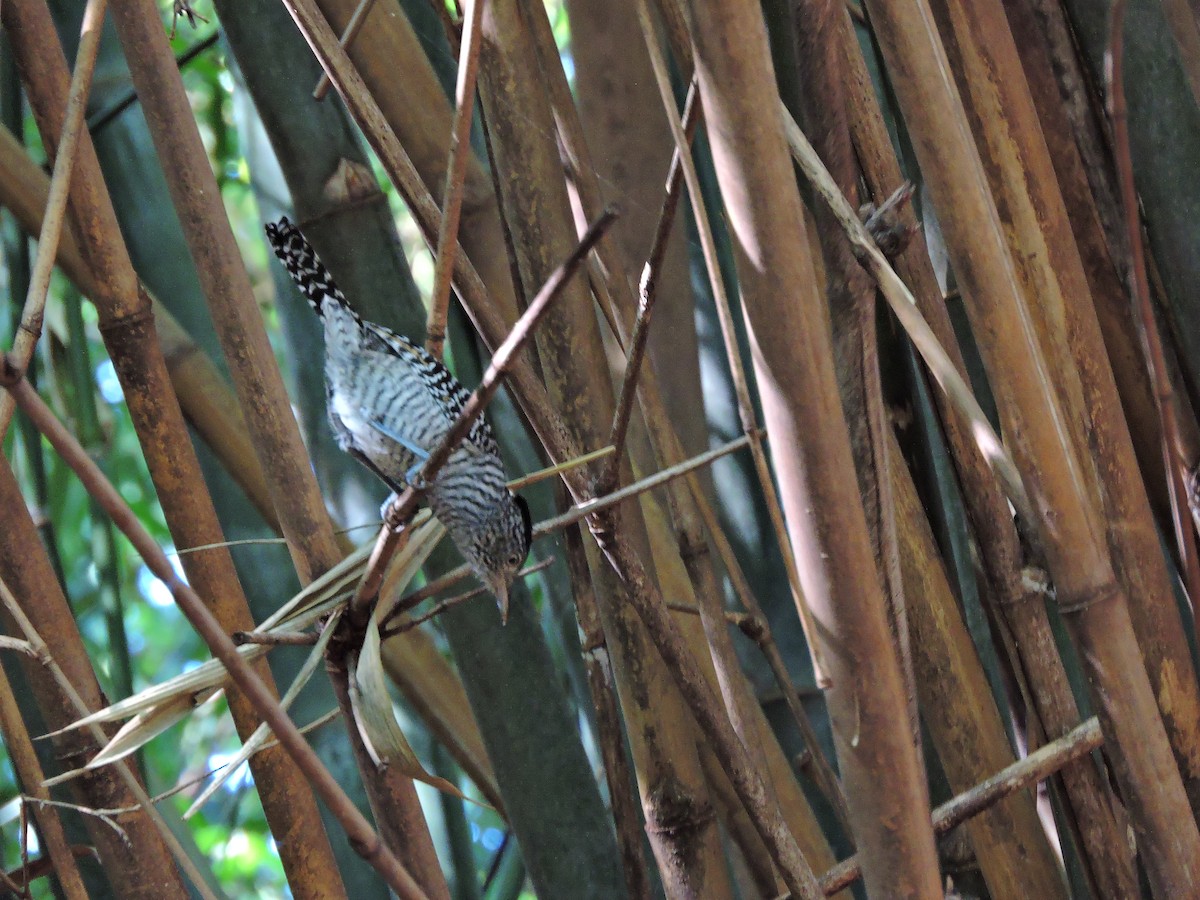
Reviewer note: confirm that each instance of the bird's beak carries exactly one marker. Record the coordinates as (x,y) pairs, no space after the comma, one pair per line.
(502,602)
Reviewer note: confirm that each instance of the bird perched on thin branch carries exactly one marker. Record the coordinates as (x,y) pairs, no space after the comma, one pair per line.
(391,403)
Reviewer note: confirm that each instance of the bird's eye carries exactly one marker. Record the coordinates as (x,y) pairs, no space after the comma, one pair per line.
(514,560)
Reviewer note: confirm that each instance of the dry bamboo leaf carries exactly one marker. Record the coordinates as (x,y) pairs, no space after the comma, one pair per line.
(262,733)
(376,720)
(144,727)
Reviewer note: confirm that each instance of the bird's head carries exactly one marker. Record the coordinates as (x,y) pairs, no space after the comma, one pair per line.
(503,549)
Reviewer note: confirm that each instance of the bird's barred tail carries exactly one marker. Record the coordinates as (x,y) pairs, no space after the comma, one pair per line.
(302,263)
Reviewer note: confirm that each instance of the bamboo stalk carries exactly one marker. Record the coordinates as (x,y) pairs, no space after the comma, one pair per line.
(1093,601)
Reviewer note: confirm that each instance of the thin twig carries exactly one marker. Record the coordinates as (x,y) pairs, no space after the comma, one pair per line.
(302,639)
(30,328)
(358,830)
(1035,767)
(456,176)
(582,510)
(390,539)
(357,19)
(1164,391)
(648,290)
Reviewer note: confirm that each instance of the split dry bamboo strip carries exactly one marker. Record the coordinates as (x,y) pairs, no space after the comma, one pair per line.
(51,231)
(263,697)
(1022,611)
(881,770)
(1089,594)
(125,324)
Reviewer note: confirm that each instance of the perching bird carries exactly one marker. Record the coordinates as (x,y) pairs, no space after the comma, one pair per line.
(391,403)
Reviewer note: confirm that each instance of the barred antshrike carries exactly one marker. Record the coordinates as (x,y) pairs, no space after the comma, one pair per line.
(391,403)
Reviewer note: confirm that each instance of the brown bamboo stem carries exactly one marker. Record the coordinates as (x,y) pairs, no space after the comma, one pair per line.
(880,767)
(362,837)
(603,691)
(125,325)
(1070,535)
(226,285)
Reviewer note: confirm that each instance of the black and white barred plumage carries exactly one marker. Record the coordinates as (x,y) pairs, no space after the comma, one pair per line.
(387,396)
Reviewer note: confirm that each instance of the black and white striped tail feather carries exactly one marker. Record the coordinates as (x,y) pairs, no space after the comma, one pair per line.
(303,264)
